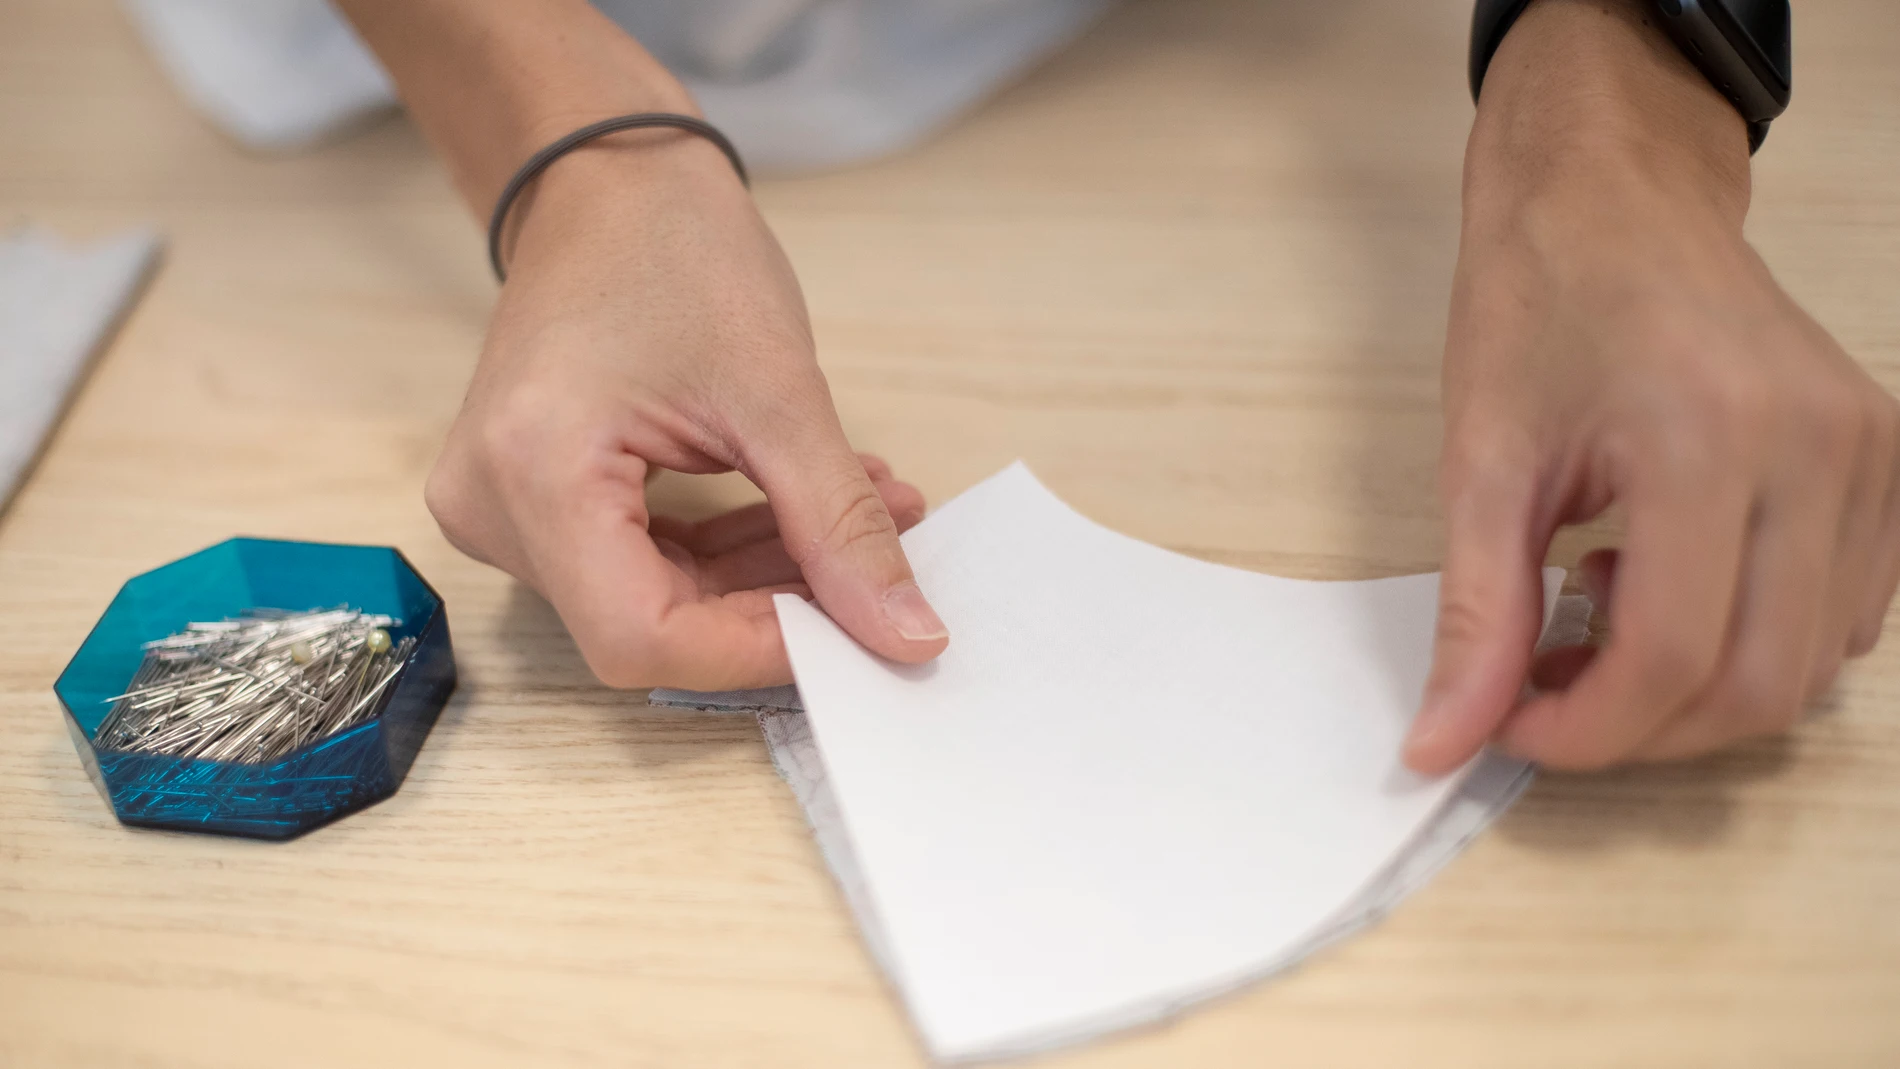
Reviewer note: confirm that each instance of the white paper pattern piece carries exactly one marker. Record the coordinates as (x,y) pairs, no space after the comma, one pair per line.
(1134,781)
(57,304)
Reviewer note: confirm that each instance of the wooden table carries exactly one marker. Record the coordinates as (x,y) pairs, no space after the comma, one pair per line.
(1193,270)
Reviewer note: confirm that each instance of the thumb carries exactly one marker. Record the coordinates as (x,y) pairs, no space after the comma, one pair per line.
(1490,603)
(839,532)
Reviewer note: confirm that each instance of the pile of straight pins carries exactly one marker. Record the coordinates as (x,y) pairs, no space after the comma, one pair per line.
(257,687)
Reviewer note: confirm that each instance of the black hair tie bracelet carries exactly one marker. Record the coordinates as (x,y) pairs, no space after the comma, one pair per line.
(539,162)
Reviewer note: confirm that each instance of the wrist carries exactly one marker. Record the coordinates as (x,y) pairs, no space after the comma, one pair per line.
(547,113)
(633,188)
(490,82)
(541,114)
(1592,100)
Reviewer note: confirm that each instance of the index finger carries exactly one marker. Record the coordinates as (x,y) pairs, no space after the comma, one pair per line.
(1675,594)
(637,619)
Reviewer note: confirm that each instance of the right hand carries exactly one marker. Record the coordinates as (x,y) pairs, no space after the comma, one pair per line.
(651,321)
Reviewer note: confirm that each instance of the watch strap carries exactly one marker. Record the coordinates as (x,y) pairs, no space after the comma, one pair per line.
(1766,61)
(1490,21)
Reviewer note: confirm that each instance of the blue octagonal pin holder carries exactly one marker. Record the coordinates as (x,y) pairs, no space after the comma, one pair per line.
(309,786)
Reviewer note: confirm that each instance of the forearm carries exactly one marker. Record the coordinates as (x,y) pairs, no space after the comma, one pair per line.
(491,81)
(1592,92)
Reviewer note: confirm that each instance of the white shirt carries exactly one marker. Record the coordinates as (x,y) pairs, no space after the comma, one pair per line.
(797,84)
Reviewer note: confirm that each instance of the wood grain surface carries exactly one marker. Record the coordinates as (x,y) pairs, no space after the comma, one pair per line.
(1193,270)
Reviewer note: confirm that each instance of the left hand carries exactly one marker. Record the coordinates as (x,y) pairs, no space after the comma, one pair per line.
(1615,340)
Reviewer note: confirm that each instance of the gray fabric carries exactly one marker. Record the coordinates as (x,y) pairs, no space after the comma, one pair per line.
(58,302)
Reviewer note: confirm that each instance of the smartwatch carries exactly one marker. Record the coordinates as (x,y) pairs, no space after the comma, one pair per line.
(1743,47)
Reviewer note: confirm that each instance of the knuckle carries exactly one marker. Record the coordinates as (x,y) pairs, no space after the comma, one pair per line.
(1461,621)
(862,517)
(1710,432)
(1671,667)
(454,502)
(445,494)
(1483,459)
(621,673)
(509,433)
(1734,403)
(619,659)
(1866,635)
(1763,703)
(792,393)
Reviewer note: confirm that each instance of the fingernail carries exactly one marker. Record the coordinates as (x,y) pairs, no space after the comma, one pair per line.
(911,615)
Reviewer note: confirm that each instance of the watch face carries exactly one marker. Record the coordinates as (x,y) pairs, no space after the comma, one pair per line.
(1740,45)
(1752,12)
(1766,23)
